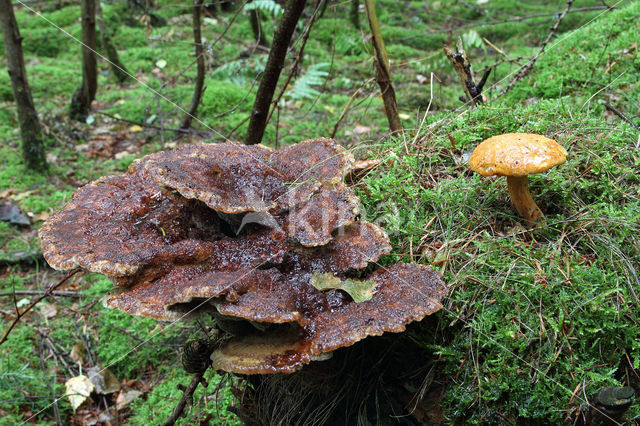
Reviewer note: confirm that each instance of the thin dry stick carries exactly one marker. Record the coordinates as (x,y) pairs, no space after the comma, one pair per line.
(272,70)
(56,409)
(186,399)
(383,72)
(348,105)
(62,293)
(197,91)
(620,114)
(462,65)
(504,21)
(528,66)
(47,293)
(294,67)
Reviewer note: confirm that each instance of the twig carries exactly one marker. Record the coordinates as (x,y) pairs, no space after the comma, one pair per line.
(62,293)
(462,66)
(528,66)
(294,67)
(47,293)
(503,21)
(199,51)
(24,257)
(271,74)
(186,399)
(56,410)
(619,113)
(348,105)
(150,126)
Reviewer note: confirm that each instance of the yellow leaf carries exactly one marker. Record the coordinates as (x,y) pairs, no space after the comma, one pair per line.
(360,291)
(135,128)
(78,390)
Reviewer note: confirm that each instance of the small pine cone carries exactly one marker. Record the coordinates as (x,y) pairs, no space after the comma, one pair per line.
(196,356)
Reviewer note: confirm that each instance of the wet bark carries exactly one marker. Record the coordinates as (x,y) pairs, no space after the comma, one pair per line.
(30,130)
(85,94)
(275,63)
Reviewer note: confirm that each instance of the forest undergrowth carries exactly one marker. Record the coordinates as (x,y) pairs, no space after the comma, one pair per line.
(535,322)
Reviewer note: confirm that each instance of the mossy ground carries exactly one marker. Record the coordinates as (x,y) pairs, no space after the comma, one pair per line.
(535,320)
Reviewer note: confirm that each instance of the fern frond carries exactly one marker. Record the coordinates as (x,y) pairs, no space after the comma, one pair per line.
(269,6)
(303,87)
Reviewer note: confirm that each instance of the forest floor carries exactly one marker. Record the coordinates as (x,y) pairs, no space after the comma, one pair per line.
(536,321)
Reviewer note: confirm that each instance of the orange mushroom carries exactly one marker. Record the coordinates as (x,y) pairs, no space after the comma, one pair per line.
(517,155)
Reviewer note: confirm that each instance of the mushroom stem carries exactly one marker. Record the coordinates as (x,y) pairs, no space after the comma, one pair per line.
(519,191)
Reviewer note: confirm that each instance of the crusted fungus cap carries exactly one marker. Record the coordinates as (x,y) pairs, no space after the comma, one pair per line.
(312,222)
(234,178)
(229,177)
(120,225)
(405,293)
(516,154)
(352,247)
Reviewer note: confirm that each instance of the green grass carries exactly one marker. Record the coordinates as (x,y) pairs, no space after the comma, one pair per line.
(532,317)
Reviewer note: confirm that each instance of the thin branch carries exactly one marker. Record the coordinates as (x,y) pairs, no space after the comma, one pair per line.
(186,399)
(619,113)
(524,71)
(272,70)
(56,409)
(462,66)
(46,294)
(294,67)
(161,128)
(62,293)
(504,21)
(348,105)
(199,51)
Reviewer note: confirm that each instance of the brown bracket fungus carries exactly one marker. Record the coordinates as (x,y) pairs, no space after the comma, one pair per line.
(167,233)
(517,155)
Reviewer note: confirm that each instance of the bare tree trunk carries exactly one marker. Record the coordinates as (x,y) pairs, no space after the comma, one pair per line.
(275,63)
(119,71)
(86,93)
(383,76)
(197,91)
(32,146)
(254,18)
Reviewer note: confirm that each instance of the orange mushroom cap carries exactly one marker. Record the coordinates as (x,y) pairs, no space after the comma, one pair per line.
(516,154)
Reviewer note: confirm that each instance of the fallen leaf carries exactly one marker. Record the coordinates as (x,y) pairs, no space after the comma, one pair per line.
(23,302)
(125,398)
(42,216)
(104,380)
(78,352)
(135,128)
(360,291)
(78,390)
(47,310)
(359,130)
